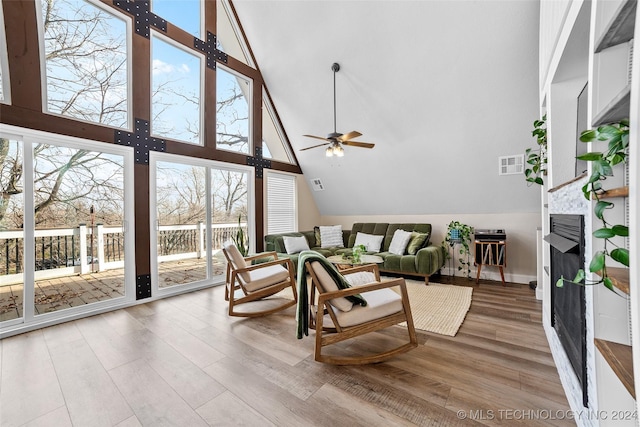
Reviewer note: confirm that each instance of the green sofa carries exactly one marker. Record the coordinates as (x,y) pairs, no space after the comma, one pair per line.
(427,261)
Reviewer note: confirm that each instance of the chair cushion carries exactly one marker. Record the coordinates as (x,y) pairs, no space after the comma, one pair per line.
(328,285)
(265,276)
(380,303)
(237,260)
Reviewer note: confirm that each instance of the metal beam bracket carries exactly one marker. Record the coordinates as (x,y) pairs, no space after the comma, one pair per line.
(258,162)
(141,140)
(143,17)
(143,286)
(209,47)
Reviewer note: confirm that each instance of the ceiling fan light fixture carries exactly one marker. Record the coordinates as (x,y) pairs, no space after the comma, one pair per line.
(338,151)
(329,151)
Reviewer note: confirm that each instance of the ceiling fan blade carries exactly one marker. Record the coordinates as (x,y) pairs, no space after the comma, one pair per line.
(359,144)
(350,135)
(315,146)
(317,137)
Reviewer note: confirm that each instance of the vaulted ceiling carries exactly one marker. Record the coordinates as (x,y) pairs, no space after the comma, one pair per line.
(443,88)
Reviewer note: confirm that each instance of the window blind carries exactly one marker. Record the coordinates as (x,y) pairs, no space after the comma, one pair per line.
(281,203)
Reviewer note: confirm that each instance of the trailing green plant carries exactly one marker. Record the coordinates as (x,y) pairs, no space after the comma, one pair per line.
(459,233)
(537,157)
(240,239)
(617,135)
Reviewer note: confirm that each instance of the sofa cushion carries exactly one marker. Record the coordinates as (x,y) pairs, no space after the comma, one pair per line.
(398,263)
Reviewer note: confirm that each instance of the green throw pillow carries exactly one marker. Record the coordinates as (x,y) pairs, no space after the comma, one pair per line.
(316,232)
(417,241)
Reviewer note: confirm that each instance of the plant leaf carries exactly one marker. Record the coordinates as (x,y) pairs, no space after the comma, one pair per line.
(588,135)
(604,233)
(620,230)
(539,180)
(597,262)
(590,157)
(560,282)
(608,283)
(600,207)
(579,276)
(621,255)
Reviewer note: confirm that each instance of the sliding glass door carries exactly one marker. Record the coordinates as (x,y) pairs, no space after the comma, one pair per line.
(198,205)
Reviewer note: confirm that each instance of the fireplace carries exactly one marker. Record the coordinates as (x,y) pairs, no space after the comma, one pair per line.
(568,303)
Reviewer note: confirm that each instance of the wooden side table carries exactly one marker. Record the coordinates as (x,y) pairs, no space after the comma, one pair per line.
(491,253)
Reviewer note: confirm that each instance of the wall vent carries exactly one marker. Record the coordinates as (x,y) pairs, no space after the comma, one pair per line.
(511,165)
(316,184)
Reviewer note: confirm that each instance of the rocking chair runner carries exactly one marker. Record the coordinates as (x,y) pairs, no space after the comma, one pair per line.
(250,283)
(336,319)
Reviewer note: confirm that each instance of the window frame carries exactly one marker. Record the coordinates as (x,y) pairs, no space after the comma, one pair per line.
(43,64)
(4,62)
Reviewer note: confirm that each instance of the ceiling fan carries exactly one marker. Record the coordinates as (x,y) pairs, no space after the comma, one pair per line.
(336,140)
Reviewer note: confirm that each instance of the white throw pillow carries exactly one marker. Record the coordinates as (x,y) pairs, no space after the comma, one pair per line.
(370,241)
(331,236)
(295,244)
(399,242)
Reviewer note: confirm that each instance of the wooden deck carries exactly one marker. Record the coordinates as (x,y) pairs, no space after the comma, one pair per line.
(72,291)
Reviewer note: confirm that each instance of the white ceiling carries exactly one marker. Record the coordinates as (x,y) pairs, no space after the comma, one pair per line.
(443,88)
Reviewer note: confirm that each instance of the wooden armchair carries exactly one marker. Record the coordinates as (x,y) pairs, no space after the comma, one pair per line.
(339,319)
(247,283)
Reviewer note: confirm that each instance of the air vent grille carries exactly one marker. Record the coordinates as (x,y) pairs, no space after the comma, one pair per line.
(511,165)
(316,184)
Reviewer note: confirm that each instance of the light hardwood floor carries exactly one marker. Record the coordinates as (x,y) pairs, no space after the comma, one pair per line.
(182,361)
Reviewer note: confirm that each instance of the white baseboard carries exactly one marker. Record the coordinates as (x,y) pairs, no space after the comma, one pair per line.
(492,274)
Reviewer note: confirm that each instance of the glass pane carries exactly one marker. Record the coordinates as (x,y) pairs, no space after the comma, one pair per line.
(175,99)
(85,52)
(230,206)
(4,74)
(11,230)
(181,13)
(232,109)
(273,142)
(181,209)
(79,238)
(228,38)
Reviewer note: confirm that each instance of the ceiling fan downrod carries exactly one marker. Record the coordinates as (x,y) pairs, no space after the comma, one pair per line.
(335,67)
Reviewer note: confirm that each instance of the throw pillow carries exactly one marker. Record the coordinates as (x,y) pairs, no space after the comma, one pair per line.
(369,241)
(295,244)
(399,242)
(360,278)
(331,236)
(417,241)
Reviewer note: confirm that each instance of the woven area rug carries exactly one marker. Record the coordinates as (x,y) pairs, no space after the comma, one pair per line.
(437,308)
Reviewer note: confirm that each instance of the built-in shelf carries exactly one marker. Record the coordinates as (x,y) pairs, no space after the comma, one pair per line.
(620,28)
(620,358)
(614,192)
(615,110)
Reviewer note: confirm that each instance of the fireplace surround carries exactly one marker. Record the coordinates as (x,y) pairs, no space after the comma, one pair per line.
(568,303)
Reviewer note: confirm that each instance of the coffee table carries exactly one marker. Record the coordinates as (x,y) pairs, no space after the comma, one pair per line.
(344,263)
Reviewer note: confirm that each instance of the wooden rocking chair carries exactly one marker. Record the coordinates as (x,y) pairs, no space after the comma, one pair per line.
(341,320)
(253,283)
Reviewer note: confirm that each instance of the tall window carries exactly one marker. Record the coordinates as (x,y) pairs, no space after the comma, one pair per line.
(176,92)
(233,113)
(273,140)
(281,203)
(86,61)
(185,14)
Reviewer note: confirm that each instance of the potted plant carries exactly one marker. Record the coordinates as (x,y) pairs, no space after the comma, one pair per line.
(459,233)
(241,241)
(537,158)
(617,136)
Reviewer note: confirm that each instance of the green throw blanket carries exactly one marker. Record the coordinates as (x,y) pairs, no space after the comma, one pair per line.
(302,313)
